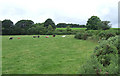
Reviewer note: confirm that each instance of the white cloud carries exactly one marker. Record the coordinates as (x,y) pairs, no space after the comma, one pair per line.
(69,11)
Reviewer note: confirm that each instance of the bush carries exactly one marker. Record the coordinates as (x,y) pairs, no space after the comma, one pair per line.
(104,50)
(81,36)
(92,66)
(106,34)
(92,32)
(104,59)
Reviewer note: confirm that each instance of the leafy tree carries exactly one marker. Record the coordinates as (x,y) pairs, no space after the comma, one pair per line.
(105,25)
(50,28)
(7,23)
(93,23)
(24,24)
(31,30)
(19,31)
(7,26)
(49,22)
(37,29)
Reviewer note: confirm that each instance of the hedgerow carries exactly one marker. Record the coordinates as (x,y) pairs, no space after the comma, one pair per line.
(104,60)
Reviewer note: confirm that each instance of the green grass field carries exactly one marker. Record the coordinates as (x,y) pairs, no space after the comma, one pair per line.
(44,55)
(71,28)
(84,28)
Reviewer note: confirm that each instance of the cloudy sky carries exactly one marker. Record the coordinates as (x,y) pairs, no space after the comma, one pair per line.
(60,11)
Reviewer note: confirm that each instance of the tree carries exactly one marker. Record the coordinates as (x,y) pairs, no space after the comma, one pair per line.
(93,23)
(7,23)
(24,24)
(106,25)
(49,22)
(50,28)
(37,29)
(7,26)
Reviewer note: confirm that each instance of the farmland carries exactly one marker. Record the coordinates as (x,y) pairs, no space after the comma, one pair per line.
(71,28)
(91,49)
(53,55)
(83,28)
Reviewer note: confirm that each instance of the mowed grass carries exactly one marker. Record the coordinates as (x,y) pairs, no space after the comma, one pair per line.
(44,55)
(71,28)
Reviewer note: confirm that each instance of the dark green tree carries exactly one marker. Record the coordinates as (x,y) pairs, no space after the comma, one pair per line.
(50,28)
(7,23)
(93,23)
(7,26)
(49,22)
(106,25)
(24,24)
(37,29)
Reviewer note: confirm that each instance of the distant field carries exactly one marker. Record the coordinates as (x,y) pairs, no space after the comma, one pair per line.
(44,55)
(71,28)
(83,28)
(115,28)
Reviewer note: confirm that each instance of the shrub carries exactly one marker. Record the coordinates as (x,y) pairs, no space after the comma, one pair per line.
(94,37)
(106,34)
(68,28)
(104,60)
(81,36)
(116,42)
(92,32)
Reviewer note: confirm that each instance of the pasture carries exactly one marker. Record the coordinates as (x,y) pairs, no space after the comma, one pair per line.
(71,28)
(53,55)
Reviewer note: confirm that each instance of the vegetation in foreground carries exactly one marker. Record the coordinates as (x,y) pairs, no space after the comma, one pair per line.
(105,58)
(53,55)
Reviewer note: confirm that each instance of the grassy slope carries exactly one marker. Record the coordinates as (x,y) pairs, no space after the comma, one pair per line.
(44,55)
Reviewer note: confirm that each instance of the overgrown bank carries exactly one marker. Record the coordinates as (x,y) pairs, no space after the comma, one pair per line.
(104,59)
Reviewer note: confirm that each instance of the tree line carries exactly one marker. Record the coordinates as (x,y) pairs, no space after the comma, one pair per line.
(24,27)
(64,25)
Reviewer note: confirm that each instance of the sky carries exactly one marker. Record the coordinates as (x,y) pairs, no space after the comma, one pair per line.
(60,11)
